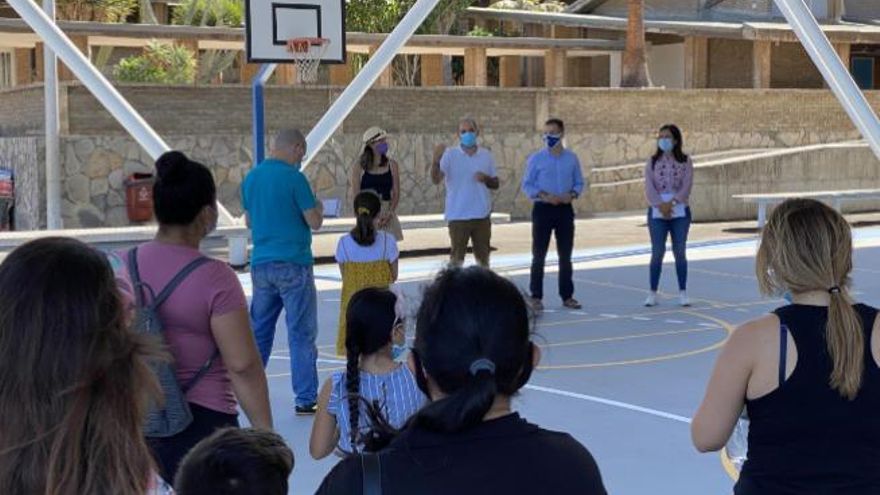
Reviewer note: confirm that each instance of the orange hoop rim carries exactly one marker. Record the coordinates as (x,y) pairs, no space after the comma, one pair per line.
(300,45)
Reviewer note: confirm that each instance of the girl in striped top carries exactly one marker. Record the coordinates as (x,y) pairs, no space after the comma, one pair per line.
(372,379)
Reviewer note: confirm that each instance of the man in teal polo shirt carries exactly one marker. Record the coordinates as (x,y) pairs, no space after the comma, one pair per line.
(282,212)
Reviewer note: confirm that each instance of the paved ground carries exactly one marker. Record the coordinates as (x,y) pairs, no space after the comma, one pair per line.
(622,379)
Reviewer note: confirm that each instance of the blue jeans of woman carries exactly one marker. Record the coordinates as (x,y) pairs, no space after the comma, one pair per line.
(661,229)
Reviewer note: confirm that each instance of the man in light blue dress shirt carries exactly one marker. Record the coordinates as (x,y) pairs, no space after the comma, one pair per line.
(553,180)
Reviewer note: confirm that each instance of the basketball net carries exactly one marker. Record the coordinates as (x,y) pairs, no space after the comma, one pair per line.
(307,54)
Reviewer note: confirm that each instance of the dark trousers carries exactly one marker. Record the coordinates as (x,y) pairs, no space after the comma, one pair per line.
(550,220)
(168,452)
(660,229)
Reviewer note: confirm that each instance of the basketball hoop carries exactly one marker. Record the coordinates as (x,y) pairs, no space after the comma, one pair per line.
(307,54)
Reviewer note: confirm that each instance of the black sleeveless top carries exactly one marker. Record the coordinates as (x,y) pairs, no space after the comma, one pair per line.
(379,183)
(804,438)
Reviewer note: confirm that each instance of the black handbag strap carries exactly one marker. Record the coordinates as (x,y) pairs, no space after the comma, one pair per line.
(372,468)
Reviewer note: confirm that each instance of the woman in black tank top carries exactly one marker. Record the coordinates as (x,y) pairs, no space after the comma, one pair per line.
(376,172)
(807,374)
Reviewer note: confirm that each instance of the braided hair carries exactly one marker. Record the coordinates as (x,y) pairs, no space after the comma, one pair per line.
(369,317)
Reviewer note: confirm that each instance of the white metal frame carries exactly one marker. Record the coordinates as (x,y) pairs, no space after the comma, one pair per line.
(106,94)
(836,74)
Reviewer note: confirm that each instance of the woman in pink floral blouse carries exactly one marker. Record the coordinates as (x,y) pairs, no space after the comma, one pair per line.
(669,176)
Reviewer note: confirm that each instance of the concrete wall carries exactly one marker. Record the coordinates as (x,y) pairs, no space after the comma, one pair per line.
(810,169)
(22,111)
(666,65)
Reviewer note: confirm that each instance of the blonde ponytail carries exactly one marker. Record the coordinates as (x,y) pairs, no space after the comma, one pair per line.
(806,246)
(846,345)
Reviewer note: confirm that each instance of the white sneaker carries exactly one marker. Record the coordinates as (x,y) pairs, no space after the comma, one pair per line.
(651,301)
(683,299)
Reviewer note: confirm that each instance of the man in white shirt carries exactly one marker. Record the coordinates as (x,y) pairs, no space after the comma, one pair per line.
(468,172)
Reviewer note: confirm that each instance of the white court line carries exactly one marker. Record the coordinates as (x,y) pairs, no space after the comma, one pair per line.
(612,403)
(675,322)
(641,318)
(320,360)
(709,325)
(606,315)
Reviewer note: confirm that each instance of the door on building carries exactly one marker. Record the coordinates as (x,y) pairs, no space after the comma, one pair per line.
(863,71)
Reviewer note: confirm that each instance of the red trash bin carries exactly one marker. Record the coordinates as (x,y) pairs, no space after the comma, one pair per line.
(139,197)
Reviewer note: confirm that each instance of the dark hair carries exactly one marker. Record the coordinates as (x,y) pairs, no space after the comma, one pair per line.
(236,461)
(369,320)
(183,188)
(366,208)
(468,315)
(557,122)
(680,156)
(74,380)
(368,156)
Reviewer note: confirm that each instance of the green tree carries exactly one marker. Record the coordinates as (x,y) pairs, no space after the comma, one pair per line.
(212,63)
(160,63)
(95,10)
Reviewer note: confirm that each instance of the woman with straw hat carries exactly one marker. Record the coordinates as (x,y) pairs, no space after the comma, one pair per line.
(376,172)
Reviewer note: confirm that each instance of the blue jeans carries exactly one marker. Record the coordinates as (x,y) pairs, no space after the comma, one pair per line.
(277,286)
(660,230)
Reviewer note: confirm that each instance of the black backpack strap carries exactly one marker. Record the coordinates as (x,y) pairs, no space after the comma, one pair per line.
(783,352)
(372,468)
(178,279)
(135,274)
(201,373)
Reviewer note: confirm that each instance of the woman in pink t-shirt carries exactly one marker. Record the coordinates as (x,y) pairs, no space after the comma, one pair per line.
(207,312)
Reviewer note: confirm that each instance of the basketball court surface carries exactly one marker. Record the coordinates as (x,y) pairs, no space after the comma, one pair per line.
(622,379)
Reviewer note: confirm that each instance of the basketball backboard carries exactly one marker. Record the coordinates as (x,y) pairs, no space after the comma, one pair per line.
(270,23)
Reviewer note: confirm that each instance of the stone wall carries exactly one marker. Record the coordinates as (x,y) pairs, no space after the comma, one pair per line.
(24,155)
(607,128)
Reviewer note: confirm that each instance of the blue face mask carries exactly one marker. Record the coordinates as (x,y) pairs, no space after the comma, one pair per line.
(551,140)
(665,144)
(397,351)
(468,139)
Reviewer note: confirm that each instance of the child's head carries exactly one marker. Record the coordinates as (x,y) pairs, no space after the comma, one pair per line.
(372,325)
(367,206)
(236,461)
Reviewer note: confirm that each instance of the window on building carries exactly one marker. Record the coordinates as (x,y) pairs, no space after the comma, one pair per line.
(7,68)
(863,71)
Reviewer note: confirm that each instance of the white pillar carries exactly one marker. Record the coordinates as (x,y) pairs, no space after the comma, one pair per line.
(615,69)
(53,129)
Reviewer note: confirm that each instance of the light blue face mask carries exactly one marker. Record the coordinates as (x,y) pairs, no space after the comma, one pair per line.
(397,351)
(468,139)
(665,144)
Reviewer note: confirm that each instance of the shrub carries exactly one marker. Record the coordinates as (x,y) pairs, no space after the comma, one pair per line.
(159,64)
